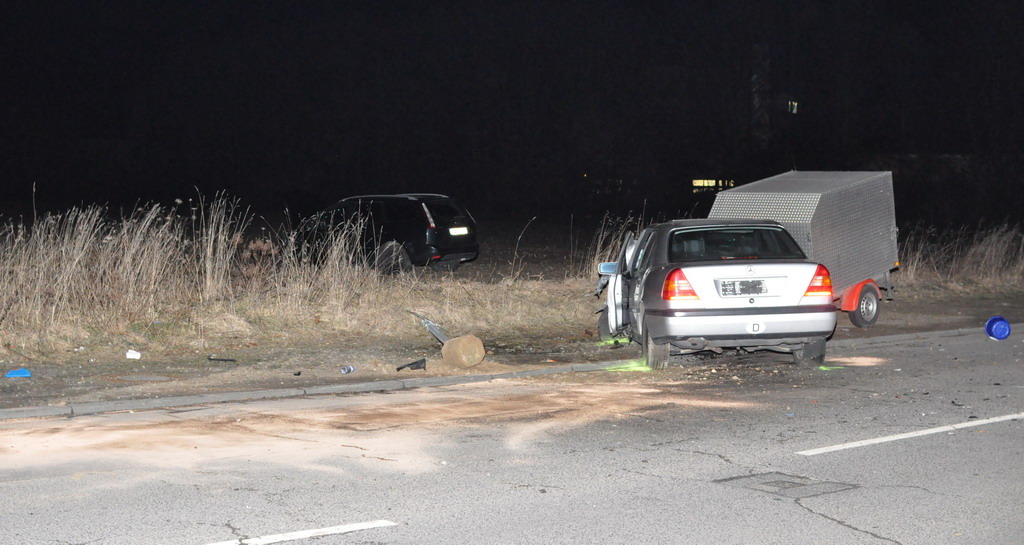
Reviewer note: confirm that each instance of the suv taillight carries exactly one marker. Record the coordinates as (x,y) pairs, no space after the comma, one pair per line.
(821,284)
(677,287)
(430,217)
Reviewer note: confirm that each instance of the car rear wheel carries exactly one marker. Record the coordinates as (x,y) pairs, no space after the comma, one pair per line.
(392,258)
(656,355)
(812,352)
(866,313)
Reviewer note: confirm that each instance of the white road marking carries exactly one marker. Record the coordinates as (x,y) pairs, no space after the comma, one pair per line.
(908,435)
(306,534)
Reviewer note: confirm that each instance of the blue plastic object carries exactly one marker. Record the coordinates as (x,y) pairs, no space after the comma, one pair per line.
(997,328)
(18,373)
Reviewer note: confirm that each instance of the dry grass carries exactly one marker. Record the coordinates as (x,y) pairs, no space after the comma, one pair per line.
(962,260)
(173,279)
(189,279)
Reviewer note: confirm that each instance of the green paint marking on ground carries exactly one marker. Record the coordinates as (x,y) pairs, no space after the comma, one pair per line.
(631,366)
(826,368)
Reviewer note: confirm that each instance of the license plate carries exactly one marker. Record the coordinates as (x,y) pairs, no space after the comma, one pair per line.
(743,287)
(456,231)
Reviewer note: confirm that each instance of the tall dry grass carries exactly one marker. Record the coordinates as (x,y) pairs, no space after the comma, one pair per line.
(189,278)
(962,260)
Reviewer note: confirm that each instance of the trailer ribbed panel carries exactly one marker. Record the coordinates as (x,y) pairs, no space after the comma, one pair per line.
(845,220)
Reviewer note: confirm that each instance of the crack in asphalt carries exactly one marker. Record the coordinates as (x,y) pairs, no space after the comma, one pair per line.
(712,454)
(844,523)
(915,488)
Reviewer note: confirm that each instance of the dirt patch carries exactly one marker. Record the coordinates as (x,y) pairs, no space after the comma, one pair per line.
(390,435)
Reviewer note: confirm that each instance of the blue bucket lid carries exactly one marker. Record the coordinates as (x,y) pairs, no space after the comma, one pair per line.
(997,328)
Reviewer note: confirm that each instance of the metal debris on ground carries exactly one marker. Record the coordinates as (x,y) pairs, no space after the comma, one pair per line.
(15,373)
(433,328)
(133,355)
(418,364)
(347,369)
(213,357)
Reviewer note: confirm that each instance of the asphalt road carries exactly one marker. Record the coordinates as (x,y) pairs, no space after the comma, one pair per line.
(760,452)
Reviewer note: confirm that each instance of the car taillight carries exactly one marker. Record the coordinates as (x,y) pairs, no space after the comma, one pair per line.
(430,217)
(677,287)
(821,284)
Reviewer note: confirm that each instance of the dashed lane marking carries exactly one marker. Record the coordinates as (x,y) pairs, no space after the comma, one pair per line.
(306,534)
(909,435)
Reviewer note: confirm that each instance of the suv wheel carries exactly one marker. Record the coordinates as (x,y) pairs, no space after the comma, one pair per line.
(392,258)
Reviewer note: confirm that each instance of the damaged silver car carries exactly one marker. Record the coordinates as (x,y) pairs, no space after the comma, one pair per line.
(687,286)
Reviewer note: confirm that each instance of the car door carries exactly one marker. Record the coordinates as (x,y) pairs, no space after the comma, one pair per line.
(639,268)
(616,301)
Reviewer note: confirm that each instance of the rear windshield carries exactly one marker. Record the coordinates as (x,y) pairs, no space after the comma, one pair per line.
(732,243)
(444,211)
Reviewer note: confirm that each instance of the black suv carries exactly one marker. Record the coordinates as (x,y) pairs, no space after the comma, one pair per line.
(403,230)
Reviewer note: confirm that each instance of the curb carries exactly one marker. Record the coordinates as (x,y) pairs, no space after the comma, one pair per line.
(98,407)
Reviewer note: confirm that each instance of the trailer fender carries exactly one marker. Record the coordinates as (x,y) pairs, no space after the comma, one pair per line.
(848,300)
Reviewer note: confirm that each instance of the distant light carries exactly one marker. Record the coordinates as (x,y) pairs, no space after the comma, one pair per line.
(584,174)
(793,106)
(700,186)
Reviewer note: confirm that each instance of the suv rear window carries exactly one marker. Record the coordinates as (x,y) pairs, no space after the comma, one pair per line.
(445,211)
(732,243)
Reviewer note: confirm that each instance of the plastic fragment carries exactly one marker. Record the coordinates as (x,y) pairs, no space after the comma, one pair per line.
(133,355)
(418,364)
(22,372)
(997,328)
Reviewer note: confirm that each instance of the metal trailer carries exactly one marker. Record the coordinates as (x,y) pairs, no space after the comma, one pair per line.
(843,220)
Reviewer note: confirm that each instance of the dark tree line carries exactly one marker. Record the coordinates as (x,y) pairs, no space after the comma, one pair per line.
(507,103)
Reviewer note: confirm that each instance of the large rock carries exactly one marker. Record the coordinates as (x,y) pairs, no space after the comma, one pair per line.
(464,351)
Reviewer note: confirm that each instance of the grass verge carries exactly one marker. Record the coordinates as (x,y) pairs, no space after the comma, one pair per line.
(187,278)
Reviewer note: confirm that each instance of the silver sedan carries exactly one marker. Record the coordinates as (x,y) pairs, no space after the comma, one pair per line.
(687,286)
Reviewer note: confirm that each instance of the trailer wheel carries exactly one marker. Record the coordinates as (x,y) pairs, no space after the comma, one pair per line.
(656,355)
(866,312)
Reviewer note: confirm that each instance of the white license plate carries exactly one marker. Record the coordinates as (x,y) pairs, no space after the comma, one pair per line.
(456,231)
(739,288)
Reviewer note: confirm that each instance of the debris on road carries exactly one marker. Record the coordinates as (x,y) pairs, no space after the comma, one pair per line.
(997,328)
(347,369)
(433,328)
(213,357)
(418,364)
(830,368)
(15,373)
(464,351)
(133,355)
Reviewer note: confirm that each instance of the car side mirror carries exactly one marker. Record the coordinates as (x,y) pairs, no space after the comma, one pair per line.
(608,268)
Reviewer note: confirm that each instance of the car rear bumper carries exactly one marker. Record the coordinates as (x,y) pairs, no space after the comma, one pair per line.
(425,255)
(741,328)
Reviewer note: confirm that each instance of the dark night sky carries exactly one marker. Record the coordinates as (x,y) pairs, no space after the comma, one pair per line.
(507,104)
